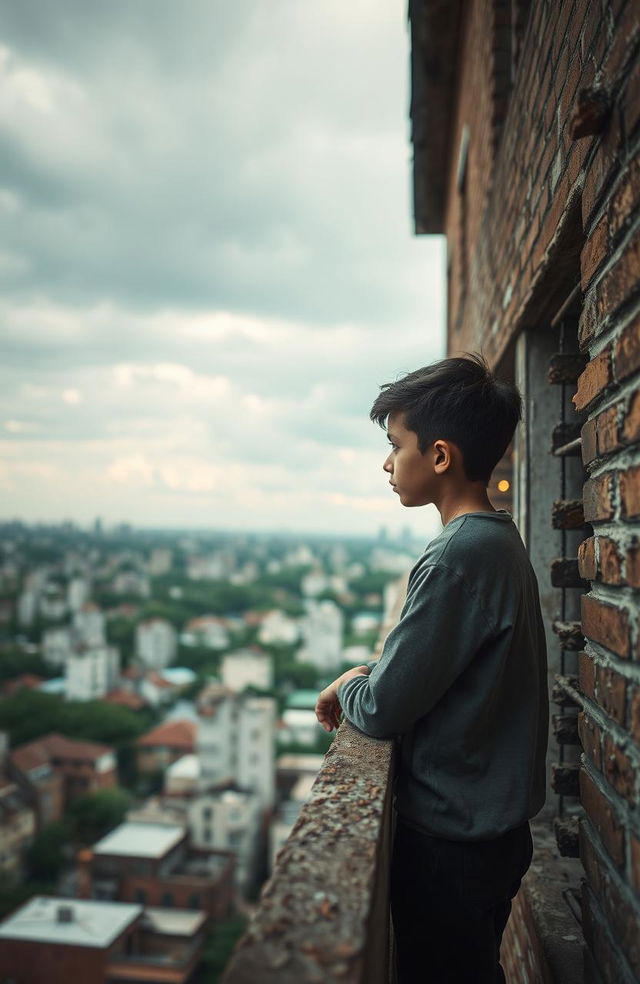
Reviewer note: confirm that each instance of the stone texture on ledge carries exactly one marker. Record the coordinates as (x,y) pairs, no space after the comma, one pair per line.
(315,921)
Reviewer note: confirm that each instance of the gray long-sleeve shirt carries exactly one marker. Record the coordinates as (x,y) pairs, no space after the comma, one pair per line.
(462,680)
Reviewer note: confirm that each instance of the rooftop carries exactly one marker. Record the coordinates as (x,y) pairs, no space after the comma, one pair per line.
(176,734)
(42,750)
(140,840)
(186,767)
(81,922)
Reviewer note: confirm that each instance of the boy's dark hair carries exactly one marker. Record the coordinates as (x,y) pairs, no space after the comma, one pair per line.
(459,400)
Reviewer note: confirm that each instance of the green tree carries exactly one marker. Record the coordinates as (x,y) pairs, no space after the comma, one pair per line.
(47,855)
(219,946)
(95,814)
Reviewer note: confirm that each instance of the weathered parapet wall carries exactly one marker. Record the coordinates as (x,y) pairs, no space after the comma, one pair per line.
(324,913)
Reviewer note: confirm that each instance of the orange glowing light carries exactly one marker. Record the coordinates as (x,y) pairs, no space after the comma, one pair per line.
(504,485)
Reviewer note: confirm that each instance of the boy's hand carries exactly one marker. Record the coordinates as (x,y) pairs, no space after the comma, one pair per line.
(328,708)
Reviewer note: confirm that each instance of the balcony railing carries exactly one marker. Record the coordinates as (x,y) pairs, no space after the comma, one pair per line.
(323,915)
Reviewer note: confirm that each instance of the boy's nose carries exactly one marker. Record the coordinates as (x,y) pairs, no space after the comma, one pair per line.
(388,465)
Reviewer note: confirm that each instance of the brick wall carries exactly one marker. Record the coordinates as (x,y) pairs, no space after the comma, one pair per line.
(552,187)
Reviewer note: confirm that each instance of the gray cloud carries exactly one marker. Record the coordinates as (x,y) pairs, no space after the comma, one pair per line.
(206,267)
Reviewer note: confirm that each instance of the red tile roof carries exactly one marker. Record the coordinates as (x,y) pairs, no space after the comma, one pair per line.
(172,734)
(29,680)
(42,750)
(124,698)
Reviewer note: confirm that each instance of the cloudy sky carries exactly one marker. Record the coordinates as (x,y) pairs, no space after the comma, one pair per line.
(207,265)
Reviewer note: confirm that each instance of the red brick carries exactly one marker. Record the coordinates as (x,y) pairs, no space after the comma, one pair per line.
(593,381)
(587,559)
(570,88)
(593,867)
(595,251)
(623,40)
(627,352)
(602,815)
(560,29)
(606,625)
(625,198)
(598,498)
(590,738)
(630,492)
(619,770)
(587,675)
(592,22)
(631,103)
(604,162)
(607,431)
(634,844)
(617,285)
(588,321)
(611,693)
(631,430)
(623,920)
(632,566)
(610,561)
(561,66)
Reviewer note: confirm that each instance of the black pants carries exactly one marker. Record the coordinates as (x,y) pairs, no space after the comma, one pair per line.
(450,902)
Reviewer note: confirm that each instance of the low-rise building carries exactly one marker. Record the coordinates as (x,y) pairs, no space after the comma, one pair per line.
(161,746)
(249,667)
(155,864)
(17,828)
(277,628)
(229,820)
(210,631)
(55,770)
(57,940)
(322,630)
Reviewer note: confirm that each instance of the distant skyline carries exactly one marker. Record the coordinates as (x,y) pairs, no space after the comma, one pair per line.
(207,263)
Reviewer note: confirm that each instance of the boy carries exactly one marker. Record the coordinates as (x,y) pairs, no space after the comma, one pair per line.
(462,681)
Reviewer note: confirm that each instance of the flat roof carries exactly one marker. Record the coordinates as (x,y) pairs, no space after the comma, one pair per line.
(175,922)
(186,767)
(134,839)
(91,923)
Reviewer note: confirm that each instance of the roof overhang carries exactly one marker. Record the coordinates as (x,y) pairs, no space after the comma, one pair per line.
(435,26)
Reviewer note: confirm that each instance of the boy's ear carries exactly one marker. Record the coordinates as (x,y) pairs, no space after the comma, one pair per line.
(443,455)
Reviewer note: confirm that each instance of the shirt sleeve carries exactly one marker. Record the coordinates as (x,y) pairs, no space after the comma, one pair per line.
(441,628)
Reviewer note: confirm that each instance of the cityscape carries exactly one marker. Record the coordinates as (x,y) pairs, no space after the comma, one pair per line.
(157,731)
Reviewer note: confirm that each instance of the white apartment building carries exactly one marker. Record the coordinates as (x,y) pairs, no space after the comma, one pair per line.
(78,591)
(246,668)
(322,629)
(131,583)
(89,624)
(278,629)
(228,820)
(236,741)
(314,583)
(211,631)
(56,645)
(91,672)
(160,561)
(156,643)
(52,603)
(27,607)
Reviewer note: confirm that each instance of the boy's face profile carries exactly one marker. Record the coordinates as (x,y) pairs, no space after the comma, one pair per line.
(413,475)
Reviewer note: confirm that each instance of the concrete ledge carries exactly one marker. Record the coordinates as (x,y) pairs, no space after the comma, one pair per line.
(324,913)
